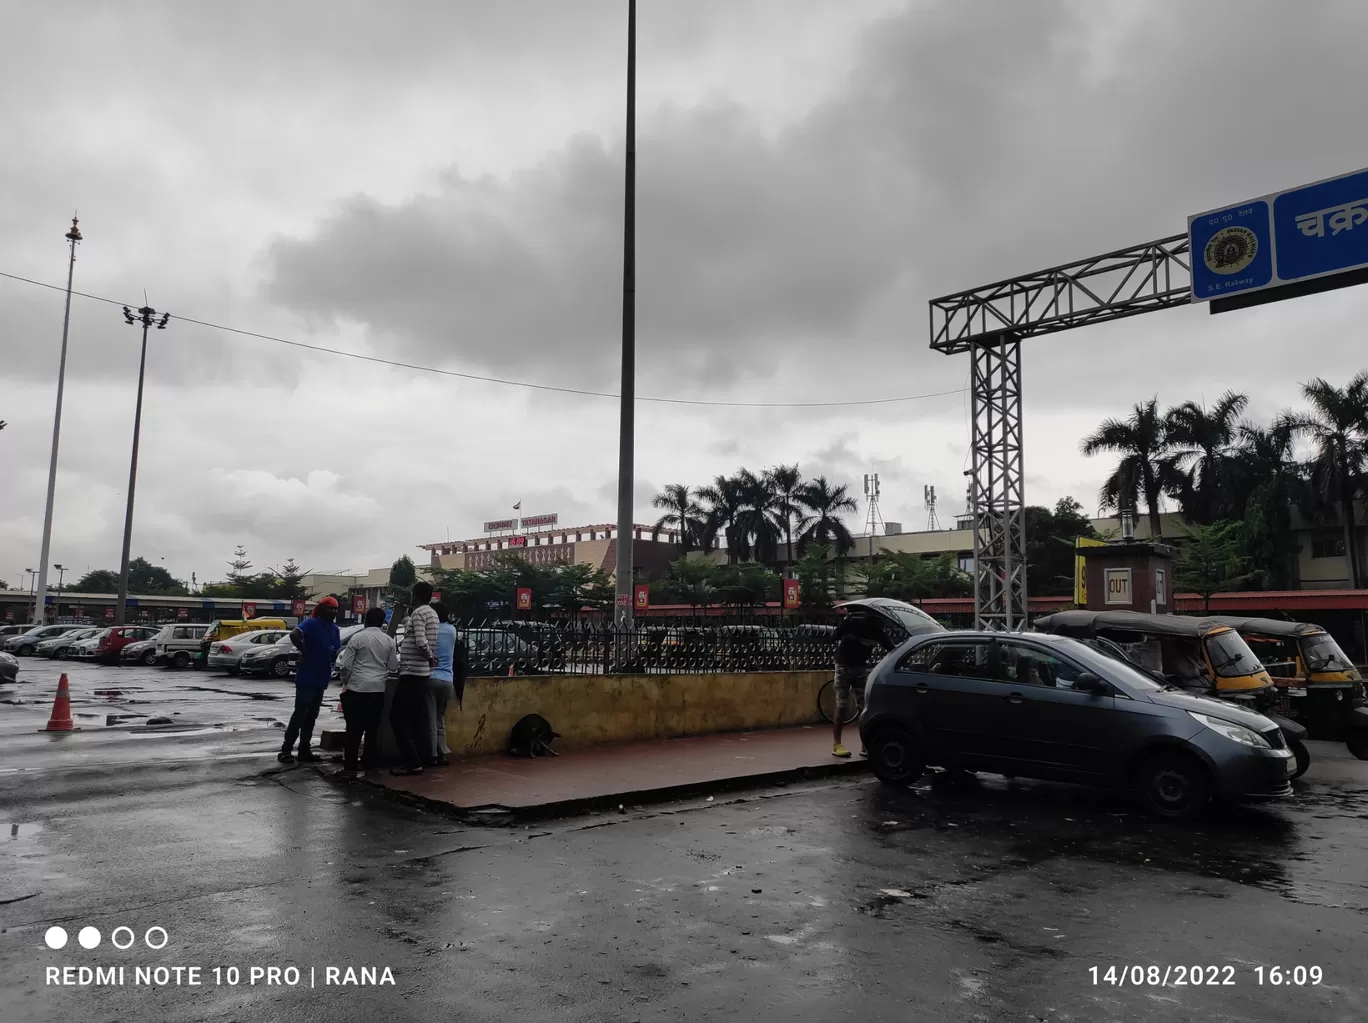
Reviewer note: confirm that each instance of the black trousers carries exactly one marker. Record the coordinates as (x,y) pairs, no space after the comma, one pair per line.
(363,712)
(307,701)
(409,718)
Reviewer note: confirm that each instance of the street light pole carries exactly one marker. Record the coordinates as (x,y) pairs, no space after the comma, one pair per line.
(40,599)
(57,606)
(33,578)
(145,317)
(627,425)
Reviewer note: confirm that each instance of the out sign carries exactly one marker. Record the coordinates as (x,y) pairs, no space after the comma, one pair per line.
(1119,586)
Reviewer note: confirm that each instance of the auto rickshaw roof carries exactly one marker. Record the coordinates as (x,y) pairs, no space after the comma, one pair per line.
(1266,626)
(1091,623)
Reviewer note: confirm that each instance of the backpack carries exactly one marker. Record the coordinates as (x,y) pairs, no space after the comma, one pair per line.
(532,737)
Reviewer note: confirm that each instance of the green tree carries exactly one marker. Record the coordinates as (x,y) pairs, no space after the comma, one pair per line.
(785,481)
(1337,426)
(914,577)
(682,512)
(240,576)
(1201,467)
(1050,539)
(746,585)
(816,577)
(287,582)
(1144,470)
(760,515)
(1269,476)
(691,581)
(99,580)
(726,504)
(403,574)
(1211,559)
(825,503)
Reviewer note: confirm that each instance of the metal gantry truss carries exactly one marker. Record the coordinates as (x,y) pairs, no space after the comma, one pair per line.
(990,322)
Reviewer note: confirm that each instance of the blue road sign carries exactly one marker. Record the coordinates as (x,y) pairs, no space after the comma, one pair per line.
(1310,231)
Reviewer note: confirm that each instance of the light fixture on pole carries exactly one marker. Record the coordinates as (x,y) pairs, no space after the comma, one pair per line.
(40,598)
(146,316)
(33,578)
(57,607)
(626,535)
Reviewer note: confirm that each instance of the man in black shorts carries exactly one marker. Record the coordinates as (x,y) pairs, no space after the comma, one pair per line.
(856,637)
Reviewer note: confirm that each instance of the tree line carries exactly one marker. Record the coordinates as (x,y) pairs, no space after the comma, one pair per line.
(1238,482)
(284,583)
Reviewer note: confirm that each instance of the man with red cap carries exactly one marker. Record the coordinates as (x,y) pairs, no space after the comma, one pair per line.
(318,641)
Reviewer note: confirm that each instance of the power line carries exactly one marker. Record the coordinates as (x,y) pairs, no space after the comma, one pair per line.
(500,380)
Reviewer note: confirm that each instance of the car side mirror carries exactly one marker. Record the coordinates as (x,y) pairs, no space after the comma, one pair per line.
(1087,682)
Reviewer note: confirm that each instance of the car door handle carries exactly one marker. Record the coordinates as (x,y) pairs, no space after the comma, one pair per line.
(1014,698)
(922,687)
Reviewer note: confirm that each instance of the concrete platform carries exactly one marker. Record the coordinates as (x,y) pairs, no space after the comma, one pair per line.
(629,773)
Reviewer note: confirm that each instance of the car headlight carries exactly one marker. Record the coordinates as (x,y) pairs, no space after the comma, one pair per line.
(1230,730)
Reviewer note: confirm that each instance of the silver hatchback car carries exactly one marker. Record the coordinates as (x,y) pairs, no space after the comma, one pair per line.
(1042,706)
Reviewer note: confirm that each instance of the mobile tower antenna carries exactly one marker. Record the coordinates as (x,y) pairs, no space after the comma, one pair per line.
(929,497)
(874,520)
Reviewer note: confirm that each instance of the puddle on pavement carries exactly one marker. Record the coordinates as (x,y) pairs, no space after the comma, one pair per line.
(230,692)
(26,830)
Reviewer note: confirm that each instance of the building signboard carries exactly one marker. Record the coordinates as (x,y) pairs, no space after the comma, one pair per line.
(534,521)
(498,524)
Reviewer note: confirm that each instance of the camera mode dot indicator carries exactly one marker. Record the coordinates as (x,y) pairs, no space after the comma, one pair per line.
(56,937)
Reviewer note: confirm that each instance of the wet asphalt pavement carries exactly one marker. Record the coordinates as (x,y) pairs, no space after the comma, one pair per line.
(975,901)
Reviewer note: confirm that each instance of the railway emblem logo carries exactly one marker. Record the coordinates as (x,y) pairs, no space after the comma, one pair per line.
(1230,250)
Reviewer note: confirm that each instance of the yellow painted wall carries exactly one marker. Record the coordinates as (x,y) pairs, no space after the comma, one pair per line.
(588,710)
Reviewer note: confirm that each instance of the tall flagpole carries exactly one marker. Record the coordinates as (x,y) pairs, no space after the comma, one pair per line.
(40,598)
(626,437)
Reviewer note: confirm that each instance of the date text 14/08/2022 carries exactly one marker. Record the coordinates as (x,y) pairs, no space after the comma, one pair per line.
(1137,975)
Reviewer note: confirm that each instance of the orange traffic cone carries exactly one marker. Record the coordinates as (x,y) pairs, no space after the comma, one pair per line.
(61,709)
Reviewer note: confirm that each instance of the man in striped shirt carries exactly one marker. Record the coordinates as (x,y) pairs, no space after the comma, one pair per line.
(417,658)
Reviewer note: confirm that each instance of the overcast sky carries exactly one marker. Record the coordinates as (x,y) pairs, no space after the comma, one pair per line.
(441,184)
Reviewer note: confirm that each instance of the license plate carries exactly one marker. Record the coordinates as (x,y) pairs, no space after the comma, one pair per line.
(1291,766)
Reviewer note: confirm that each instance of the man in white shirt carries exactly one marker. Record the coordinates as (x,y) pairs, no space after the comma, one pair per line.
(364,664)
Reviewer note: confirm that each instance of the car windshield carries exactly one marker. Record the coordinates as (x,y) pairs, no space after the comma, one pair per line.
(1230,655)
(914,622)
(1113,668)
(1322,653)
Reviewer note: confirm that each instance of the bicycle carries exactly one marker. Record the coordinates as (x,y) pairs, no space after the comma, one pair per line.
(826,702)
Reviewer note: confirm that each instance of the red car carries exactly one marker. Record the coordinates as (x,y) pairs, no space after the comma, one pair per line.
(113,641)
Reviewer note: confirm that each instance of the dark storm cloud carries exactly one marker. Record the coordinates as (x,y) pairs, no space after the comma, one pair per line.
(969,141)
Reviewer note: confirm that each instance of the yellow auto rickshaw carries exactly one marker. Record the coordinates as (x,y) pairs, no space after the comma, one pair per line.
(1199,654)
(1326,691)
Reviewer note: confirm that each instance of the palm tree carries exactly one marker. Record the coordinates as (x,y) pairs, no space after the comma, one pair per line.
(682,512)
(1200,465)
(825,503)
(784,481)
(1143,470)
(1266,472)
(756,521)
(1337,426)
(726,502)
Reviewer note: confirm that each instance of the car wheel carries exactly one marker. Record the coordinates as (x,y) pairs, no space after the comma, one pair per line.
(1302,754)
(149,658)
(25,651)
(180,659)
(1358,743)
(895,756)
(1175,785)
(280,667)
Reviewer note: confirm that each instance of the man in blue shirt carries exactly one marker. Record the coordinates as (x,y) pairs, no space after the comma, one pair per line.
(318,641)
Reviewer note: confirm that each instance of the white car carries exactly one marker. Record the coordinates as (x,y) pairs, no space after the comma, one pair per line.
(85,649)
(224,655)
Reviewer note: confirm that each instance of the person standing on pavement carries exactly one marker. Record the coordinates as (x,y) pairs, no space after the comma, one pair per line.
(442,685)
(365,665)
(318,641)
(856,637)
(417,658)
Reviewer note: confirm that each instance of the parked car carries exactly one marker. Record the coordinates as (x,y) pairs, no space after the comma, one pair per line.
(224,655)
(25,643)
(1044,706)
(178,644)
(61,644)
(220,630)
(114,640)
(144,651)
(277,659)
(7,631)
(85,649)
(9,667)
(494,651)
